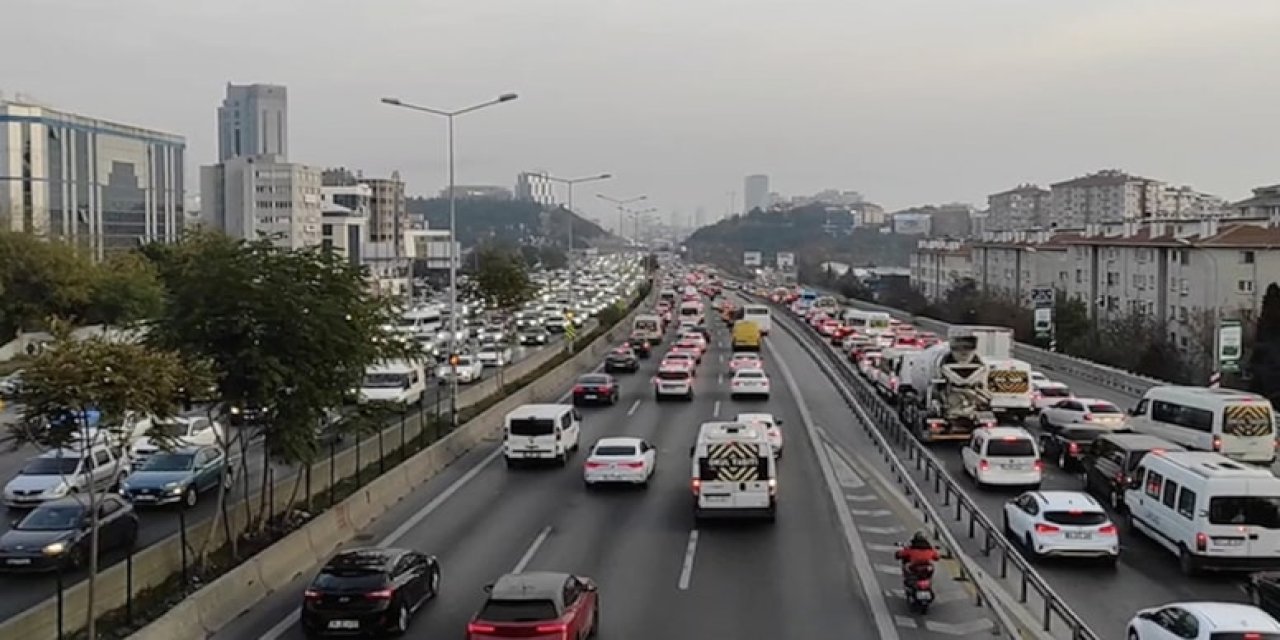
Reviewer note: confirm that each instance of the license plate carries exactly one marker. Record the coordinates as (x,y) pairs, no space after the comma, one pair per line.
(529,454)
(144,498)
(18,561)
(590,396)
(344,624)
(1011,466)
(924,596)
(1079,535)
(717,498)
(1228,542)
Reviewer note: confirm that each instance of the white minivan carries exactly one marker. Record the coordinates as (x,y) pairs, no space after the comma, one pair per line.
(735,472)
(1237,424)
(1212,512)
(541,432)
(396,381)
(1003,456)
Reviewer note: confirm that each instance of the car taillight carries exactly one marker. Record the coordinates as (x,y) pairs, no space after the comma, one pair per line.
(696,486)
(380,594)
(476,627)
(633,465)
(579,389)
(1038,465)
(1073,448)
(594,465)
(1202,542)
(311,594)
(924,585)
(1046,528)
(1087,417)
(1217,443)
(1107,530)
(984,465)
(559,627)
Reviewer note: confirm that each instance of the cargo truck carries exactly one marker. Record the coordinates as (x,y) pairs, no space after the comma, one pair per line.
(942,390)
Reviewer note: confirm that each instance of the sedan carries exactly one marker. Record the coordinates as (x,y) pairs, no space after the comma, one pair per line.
(772,428)
(369,591)
(180,476)
(622,359)
(595,388)
(493,355)
(1068,445)
(620,460)
(693,337)
(56,534)
(745,360)
(1087,411)
(690,348)
(1066,524)
(749,382)
(533,336)
(1047,394)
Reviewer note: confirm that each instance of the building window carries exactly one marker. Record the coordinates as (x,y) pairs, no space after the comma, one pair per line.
(1113,302)
(1079,276)
(1184,257)
(1246,257)
(1244,286)
(1182,314)
(1139,282)
(1113,278)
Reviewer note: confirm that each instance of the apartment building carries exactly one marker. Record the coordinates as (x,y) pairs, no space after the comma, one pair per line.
(260,196)
(938,265)
(1023,207)
(1013,263)
(1106,196)
(1264,203)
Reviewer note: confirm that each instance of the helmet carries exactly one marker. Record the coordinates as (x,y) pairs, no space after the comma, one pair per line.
(920,540)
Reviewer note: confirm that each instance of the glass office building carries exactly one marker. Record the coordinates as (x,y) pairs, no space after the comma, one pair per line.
(100,185)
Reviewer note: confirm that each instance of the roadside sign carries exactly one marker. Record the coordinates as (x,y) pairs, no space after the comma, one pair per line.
(1230,344)
(786,261)
(1044,322)
(751,258)
(1042,297)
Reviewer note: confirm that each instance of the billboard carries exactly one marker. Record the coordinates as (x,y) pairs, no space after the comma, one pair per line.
(751,259)
(786,261)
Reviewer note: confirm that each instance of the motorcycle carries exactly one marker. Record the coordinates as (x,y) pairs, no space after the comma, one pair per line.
(917,586)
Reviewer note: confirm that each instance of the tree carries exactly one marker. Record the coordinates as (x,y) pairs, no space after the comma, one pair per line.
(74,377)
(39,280)
(502,280)
(1264,361)
(1071,325)
(124,289)
(288,333)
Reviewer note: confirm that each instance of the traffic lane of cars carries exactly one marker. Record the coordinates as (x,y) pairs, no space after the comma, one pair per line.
(20,592)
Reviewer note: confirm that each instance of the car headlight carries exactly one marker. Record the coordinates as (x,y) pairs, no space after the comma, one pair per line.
(59,489)
(173,488)
(55,549)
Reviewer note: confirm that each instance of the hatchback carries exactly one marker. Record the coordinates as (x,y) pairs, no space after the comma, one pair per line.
(369,590)
(538,605)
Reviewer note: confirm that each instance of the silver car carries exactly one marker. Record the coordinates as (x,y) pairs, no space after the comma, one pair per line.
(61,472)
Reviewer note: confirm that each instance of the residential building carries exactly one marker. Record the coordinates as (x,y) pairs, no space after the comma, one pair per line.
(1264,203)
(912,224)
(254,121)
(1023,207)
(872,215)
(1106,196)
(951,221)
(938,265)
(432,247)
(536,187)
(100,185)
(345,218)
(1013,263)
(478,192)
(388,211)
(390,269)
(261,196)
(755,193)
(1185,202)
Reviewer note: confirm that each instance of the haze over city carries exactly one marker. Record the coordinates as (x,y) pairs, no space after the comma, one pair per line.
(906,102)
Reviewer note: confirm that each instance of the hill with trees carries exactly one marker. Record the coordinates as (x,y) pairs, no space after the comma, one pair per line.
(509,222)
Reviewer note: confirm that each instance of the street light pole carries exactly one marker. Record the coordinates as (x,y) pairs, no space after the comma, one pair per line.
(635,220)
(620,204)
(453,231)
(569,182)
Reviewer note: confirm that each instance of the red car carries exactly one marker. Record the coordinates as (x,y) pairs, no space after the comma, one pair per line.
(828,326)
(595,388)
(538,605)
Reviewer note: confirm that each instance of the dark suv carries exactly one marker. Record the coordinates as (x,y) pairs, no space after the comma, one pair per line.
(369,591)
(1068,445)
(1112,458)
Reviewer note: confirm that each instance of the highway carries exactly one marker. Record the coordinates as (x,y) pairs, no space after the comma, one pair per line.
(816,571)
(19,592)
(1147,574)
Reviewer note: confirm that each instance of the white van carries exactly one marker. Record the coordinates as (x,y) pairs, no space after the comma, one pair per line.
(692,310)
(867,323)
(1003,456)
(1238,424)
(395,381)
(541,432)
(1213,513)
(649,327)
(735,472)
(759,314)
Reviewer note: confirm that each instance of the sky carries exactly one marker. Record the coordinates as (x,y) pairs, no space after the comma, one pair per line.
(907,101)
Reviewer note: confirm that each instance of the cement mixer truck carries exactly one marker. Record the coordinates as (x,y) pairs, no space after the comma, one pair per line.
(942,392)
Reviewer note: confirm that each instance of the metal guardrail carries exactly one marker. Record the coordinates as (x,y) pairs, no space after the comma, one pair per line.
(881,423)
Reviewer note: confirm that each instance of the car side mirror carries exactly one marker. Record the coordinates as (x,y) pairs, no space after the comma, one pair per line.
(589,586)
(693,450)
(1132,412)
(778,422)
(488,588)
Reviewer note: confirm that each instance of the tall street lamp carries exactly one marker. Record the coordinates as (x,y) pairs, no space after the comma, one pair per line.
(620,204)
(453,233)
(635,220)
(569,182)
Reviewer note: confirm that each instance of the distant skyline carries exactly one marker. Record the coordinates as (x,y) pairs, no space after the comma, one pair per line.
(908,102)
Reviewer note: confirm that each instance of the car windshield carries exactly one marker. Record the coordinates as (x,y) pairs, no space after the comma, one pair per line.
(593,380)
(518,611)
(755,375)
(1055,392)
(1076,518)
(174,429)
(1013,448)
(532,427)
(169,462)
(615,450)
(385,380)
(1258,511)
(50,466)
(1103,407)
(60,517)
(343,579)
(682,357)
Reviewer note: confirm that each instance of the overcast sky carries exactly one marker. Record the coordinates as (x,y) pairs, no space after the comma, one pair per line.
(907,101)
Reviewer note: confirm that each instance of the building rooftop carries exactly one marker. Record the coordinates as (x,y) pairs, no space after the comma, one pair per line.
(1106,177)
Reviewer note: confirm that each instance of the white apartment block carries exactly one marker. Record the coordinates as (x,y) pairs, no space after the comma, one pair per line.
(1020,208)
(1013,263)
(344,226)
(1102,197)
(259,196)
(938,265)
(1264,203)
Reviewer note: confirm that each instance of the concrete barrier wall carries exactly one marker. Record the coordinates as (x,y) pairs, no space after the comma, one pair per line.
(302,551)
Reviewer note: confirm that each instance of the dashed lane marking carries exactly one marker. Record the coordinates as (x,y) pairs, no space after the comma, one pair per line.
(871,513)
(845,475)
(883,548)
(715,410)
(860,498)
(906,622)
(635,405)
(889,569)
(969,627)
(532,550)
(690,551)
(882,530)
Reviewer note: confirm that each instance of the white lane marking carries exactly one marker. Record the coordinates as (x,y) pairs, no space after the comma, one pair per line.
(845,475)
(532,550)
(871,513)
(906,621)
(291,620)
(865,575)
(860,498)
(690,550)
(883,548)
(720,379)
(882,530)
(715,410)
(635,405)
(890,569)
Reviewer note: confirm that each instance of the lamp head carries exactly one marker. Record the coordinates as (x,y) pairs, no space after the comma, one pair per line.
(507,97)
(391,101)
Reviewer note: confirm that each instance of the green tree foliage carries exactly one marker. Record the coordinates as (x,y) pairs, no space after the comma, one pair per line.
(501,279)
(1264,360)
(124,289)
(512,222)
(1072,327)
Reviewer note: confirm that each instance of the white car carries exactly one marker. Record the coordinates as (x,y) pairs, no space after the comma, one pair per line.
(1203,621)
(1038,377)
(745,360)
(1067,524)
(1003,456)
(492,355)
(749,382)
(772,428)
(1048,393)
(1087,411)
(173,433)
(620,460)
(469,370)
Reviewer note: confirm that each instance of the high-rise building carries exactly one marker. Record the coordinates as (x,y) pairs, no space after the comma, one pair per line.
(345,211)
(755,192)
(253,121)
(101,185)
(1023,207)
(534,186)
(1105,196)
(388,211)
(255,196)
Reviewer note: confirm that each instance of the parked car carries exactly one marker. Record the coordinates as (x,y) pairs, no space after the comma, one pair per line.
(56,534)
(369,591)
(177,476)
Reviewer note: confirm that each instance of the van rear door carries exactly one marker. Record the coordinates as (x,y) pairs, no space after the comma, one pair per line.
(735,475)
(1248,432)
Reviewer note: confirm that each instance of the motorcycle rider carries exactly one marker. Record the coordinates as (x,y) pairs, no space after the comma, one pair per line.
(917,557)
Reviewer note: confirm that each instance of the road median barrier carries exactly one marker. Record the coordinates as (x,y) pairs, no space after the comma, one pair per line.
(313,542)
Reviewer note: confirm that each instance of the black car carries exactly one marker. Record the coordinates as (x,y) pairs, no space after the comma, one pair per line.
(369,591)
(1069,444)
(1264,591)
(1111,459)
(56,534)
(622,359)
(595,388)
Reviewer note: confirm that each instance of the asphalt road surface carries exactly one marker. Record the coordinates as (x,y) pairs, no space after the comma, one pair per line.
(824,569)
(19,592)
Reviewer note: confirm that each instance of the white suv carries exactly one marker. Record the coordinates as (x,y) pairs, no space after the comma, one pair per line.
(1061,523)
(1003,456)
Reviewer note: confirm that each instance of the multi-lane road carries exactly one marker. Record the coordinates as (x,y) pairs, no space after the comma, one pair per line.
(20,592)
(824,567)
